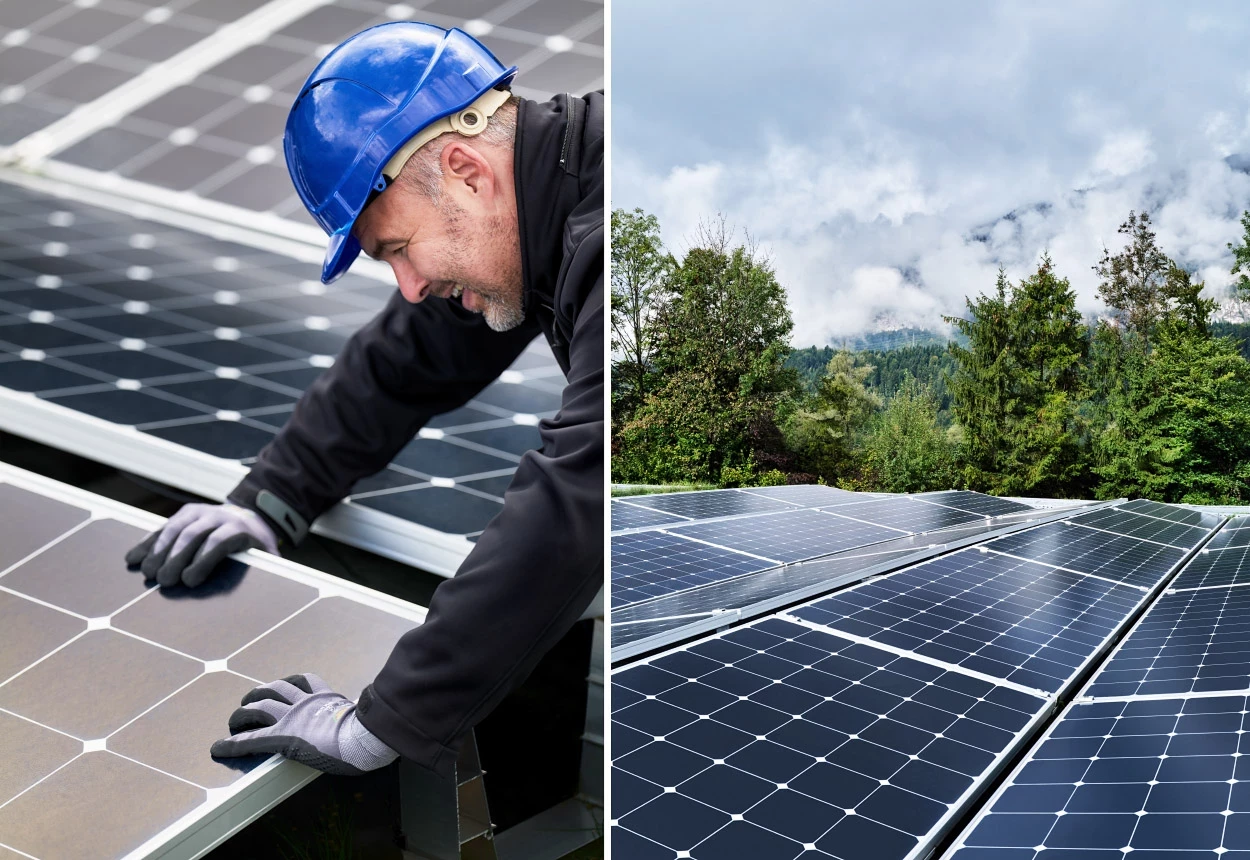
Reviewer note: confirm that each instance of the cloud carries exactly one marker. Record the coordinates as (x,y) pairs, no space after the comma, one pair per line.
(890,156)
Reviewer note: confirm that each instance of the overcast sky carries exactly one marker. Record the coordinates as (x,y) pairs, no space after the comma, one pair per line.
(889,156)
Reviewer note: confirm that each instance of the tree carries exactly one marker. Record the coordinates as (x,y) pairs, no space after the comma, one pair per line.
(1133,281)
(640,270)
(721,342)
(980,385)
(1017,389)
(1241,260)
(906,451)
(827,430)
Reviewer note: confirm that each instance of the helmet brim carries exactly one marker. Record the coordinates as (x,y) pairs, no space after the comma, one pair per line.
(342,251)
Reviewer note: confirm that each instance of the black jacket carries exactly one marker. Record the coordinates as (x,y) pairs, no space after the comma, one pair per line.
(538,564)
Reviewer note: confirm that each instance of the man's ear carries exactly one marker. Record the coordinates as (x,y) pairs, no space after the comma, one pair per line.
(464,165)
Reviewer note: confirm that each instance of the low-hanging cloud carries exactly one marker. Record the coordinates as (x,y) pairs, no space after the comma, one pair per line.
(874,216)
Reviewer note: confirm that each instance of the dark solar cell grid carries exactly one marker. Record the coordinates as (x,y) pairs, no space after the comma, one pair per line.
(209,344)
(774,739)
(1124,559)
(709,504)
(1229,537)
(809,495)
(1016,620)
(905,514)
(1119,521)
(977,503)
(1159,778)
(220,136)
(1192,641)
(1173,513)
(1229,565)
(112,690)
(648,564)
(789,536)
(56,55)
(629,516)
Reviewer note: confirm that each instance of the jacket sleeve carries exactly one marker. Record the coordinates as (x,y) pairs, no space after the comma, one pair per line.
(409,363)
(533,572)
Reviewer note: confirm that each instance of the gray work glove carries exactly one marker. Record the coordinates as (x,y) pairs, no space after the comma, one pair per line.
(196,539)
(303,719)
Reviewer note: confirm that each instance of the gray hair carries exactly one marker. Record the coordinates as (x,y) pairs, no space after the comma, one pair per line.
(424,171)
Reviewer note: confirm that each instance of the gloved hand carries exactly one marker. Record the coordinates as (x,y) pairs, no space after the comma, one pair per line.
(303,719)
(196,539)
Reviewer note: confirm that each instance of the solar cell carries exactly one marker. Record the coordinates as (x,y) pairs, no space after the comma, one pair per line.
(1017,620)
(626,515)
(1161,777)
(1117,520)
(1190,641)
(208,344)
(648,564)
(1173,513)
(788,536)
(58,55)
(907,513)
(219,135)
(112,690)
(977,503)
(774,740)
(1128,560)
(708,504)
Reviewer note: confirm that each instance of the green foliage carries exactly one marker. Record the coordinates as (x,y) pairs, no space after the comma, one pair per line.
(640,270)
(906,450)
(720,345)
(1027,399)
(827,431)
(1017,390)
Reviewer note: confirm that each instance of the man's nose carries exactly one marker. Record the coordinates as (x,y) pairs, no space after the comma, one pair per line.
(413,288)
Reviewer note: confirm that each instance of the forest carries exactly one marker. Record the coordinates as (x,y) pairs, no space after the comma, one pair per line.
(1148,398)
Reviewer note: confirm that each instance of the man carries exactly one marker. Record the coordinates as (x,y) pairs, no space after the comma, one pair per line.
(404,142)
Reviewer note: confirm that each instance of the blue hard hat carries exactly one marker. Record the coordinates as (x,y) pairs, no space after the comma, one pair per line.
(362,103)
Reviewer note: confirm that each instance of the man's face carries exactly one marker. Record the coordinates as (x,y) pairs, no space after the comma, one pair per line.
(463,247)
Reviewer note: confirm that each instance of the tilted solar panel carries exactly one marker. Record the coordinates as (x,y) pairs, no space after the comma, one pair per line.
(788,536)
(1024,622)
(1117,520)
(626,515)
(112,691)
(774,740)
(708,504)
(1123,559)
(649,564)
(208,344)
(907,513)
(977,503)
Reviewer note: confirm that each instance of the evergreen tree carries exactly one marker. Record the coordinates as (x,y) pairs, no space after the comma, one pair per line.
(906,451)
(827,431)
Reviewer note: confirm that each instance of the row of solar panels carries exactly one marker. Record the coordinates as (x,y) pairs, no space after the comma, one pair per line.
(868,722)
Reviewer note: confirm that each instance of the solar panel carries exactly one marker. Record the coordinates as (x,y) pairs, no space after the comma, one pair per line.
(708,504)
(1123,559)
(1217,565)
(808,495)
(219,135)
(1024,622)
(648,564)
(112,691)
(1190,641)
(977,503)
(58,55)
(208,344)
(1173,513)
(776,741)
(908,514)
(788,536)
(626,515)
(1118,520)
(1160,777)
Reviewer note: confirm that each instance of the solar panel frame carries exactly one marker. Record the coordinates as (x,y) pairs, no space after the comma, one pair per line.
(266,783)
(807,784)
